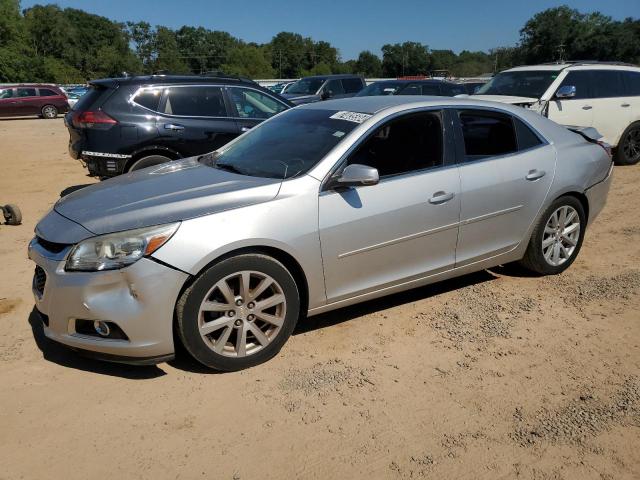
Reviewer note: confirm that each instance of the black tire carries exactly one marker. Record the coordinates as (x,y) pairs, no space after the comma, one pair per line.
(188,307)
(49,112)
(12,214)
(148,161)
(534,259)
(628,151)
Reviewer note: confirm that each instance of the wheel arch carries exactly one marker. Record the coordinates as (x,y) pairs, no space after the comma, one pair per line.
(152,150)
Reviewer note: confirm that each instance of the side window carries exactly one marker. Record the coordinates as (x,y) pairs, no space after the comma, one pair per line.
(253,104)
(431,89)
(526,138)
(352,85)
(411,89)
(454,90)
(607,83)
(6,93)
(335,86)
(27,92)
(632,80)
(148,98)
(487,134)
(581,79)
(45,92)
(195,102)
(409,143)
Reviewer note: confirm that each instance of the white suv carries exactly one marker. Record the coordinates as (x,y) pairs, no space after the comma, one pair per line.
(605,96)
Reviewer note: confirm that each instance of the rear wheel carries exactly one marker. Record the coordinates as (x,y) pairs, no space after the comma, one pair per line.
(49,111)
(148,161)
(628,151)
(238,313)
(557,238)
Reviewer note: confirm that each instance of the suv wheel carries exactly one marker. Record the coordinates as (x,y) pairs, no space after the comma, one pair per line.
(49,111)
(628,152)
(148,161)
(557,238)
(238,313)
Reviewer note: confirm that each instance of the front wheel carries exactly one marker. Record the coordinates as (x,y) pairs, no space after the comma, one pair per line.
(557,238)
(49,112)
(239,312)
(628,151)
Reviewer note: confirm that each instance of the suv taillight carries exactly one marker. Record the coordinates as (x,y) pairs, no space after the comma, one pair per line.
(91,119)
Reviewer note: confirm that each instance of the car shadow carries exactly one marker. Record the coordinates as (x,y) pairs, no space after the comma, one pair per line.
(341,315)
(65,357)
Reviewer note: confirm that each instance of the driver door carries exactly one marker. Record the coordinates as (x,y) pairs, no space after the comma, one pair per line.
(403,228)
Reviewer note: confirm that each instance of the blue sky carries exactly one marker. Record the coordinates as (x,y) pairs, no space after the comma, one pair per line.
(352,26)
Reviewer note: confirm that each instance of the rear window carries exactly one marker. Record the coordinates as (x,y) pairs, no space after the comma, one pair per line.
(352,85)
(632,80)
(526,137)
(487,134)
(148,98)
(90,98)
(45,92)
(195,102)
(607,83)
(27,92)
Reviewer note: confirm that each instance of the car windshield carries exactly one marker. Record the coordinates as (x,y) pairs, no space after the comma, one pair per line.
(306,86)
(380,88)
(525,83)
(287,146)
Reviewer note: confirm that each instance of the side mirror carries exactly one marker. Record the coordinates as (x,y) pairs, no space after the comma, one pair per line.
(326,94)
(566,91)
(356,175)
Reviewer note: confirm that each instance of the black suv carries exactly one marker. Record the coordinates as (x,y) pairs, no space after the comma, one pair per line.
(323,87)
(124,124)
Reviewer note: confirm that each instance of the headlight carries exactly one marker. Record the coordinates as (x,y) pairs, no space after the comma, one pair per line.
(117,250)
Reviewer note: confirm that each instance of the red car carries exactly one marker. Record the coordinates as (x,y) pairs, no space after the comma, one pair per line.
(46,101)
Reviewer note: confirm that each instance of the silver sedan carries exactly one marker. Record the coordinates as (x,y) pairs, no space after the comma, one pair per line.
(325,205)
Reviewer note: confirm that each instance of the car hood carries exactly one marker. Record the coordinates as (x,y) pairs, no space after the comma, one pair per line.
(506,99)
(162,194)
(299,99)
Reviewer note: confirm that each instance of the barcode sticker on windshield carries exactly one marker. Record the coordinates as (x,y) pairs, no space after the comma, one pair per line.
(351,116)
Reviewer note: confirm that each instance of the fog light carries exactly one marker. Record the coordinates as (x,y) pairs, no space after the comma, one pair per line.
(101,328)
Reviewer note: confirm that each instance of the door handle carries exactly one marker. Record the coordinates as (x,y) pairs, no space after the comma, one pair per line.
(245,129)
(534,175)
(587,107)
(441,197)
(625,105)
(173,126)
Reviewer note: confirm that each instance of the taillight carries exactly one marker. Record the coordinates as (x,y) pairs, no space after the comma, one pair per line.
(91,119)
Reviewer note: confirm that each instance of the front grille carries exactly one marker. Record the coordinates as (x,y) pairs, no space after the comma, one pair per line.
(39,280)
(51,246)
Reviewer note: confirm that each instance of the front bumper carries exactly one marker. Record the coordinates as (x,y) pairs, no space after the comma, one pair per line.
(597,195)
(140,299)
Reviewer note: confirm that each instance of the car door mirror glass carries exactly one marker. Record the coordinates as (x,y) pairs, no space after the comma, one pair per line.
(566,91)
(357,175)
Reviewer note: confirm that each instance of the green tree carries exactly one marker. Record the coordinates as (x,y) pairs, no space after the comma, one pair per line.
(288,52)
(408,58)
(249,61)
(368,64)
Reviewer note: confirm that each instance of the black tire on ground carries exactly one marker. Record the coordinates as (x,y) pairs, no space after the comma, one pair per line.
(534,258)
(12,214)
(188,307)
(148,161)
(628,151)
(49,112)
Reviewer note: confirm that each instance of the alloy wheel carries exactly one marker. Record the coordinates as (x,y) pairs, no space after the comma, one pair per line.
(631,144)
(49,111)
(561,235)
(242,314)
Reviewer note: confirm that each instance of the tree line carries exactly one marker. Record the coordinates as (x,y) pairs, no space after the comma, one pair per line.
(51,44)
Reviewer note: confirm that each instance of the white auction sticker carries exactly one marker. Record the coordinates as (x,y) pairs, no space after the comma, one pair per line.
(351,116)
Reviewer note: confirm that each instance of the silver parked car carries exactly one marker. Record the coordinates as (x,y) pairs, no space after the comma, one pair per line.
(324,205)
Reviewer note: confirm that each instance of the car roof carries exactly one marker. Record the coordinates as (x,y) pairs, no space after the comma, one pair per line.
(375,104)
(337,75)
(160,79)
(577,65)
(422,80)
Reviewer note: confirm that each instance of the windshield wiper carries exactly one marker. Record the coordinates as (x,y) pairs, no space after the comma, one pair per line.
(229,168)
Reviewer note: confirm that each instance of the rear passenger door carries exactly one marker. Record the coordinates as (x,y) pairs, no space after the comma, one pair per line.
(506,170)
(612,111)
(195,119)
(27,101)
(251,106)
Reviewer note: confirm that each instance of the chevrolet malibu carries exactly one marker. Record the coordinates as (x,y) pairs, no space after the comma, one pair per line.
(322,206)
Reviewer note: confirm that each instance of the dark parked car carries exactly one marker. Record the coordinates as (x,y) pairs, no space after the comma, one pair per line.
(472,87)
(46,101)
(412,87)
(323,87)
(124,124)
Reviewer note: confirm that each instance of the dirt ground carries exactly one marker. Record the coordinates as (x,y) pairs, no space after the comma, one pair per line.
(493,375)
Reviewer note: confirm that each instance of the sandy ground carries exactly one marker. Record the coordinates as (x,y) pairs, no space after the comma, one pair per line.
(493,375)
